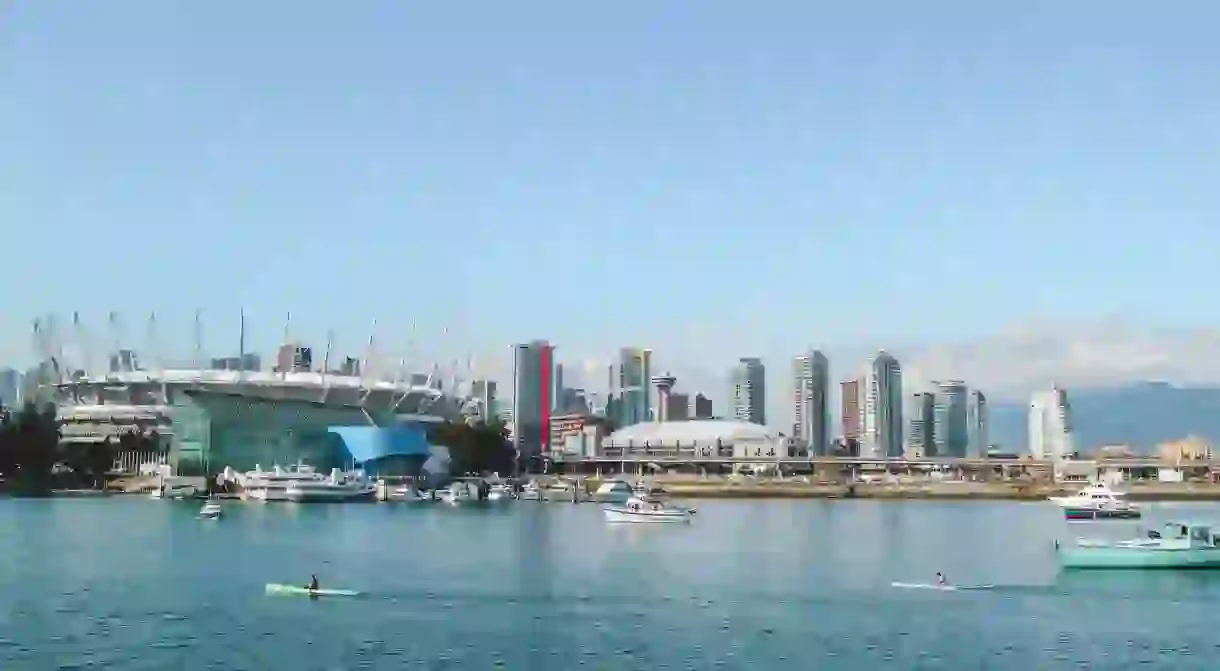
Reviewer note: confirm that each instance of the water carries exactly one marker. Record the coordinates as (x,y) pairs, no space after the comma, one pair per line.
(140,584)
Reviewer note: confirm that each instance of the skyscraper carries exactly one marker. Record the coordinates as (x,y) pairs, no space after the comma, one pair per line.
(852,412)
(10,387)
(749,390)
(883,426)
(811,402)
(533,372)
(635,380)
(977,420)
(951,434)
(1050,425)
(703,407)
(922,439)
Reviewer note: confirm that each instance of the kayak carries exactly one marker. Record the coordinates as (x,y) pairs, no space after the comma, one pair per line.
(273,588)
(942,588)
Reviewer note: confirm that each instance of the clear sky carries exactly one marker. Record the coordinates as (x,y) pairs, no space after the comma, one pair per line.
(711,179)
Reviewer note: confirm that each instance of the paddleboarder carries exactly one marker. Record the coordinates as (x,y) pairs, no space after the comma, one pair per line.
(313,583)
(940,579)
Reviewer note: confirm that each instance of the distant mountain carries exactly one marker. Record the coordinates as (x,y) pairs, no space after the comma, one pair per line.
(1140,415)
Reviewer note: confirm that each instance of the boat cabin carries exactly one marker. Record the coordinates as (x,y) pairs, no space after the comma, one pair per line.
(1185,535)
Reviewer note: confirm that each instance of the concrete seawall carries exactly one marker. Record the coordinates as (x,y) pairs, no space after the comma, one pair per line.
(957,491)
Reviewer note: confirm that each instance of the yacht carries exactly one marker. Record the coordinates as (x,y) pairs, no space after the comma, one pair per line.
(530,492)
(613,491)
(1094,496)
(501,492)
(305,485)
(564,492)
(408,494)
(648,509)
(457,494)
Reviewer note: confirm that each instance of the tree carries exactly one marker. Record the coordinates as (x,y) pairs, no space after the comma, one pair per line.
(29,448)
(475,448)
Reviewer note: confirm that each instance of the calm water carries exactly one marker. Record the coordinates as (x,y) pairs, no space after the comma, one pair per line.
(140,584)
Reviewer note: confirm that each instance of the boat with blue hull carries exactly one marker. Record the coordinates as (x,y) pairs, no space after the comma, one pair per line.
(1175,545)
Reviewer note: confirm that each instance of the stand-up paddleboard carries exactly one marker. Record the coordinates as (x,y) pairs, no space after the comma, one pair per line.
(297,590)
(942,588)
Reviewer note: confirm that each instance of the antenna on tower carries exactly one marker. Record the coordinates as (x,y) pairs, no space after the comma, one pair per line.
(150,342)
(80,337)
(198,364)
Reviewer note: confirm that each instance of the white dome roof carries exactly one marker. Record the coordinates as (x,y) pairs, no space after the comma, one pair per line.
(697,432)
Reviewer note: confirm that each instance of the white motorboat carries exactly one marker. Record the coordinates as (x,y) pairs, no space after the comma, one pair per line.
(408,494)
(613,491)
(210,510)
(530,492)
(500,492)
(303,484)
(564,492)
(1095,496)
(648,509)
(338,487)
(457,494)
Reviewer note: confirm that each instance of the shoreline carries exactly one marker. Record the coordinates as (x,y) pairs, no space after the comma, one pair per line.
(953,492)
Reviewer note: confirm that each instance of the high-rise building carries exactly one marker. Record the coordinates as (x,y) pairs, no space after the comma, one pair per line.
(883,426)
(677,407)
(634,383)
(811,402)
(293,358)
(558,397)
(977,421)
(703,407)
(852,411)
(921,442)
(533,371)
(1050,425)
(749,391)
(484,394)
(10,387)
(951,434)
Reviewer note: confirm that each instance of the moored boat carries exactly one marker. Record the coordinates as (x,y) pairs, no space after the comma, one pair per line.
(613,491)
(1176,545)
(1103,512)
(210,510)
(500,492)
(648,509)
(1093,496)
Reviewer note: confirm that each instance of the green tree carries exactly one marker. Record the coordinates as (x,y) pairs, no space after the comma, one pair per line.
(475,448)
(29,448)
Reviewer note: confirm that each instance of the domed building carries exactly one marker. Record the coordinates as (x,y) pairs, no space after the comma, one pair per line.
(697,439)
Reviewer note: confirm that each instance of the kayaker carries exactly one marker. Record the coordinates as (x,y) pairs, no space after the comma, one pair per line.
(940,579)
(313,583)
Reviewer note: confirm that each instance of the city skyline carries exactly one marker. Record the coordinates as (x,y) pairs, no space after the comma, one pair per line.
(583,374)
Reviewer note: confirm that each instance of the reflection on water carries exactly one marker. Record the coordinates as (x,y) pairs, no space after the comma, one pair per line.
(133,584)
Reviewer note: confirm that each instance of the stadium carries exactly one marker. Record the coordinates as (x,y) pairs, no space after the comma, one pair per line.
(231,413)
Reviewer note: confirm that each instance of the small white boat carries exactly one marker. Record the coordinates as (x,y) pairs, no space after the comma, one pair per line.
(530,492)
(457,494)
(564,492)
(648,509)
(408,494)
(210,510)
(1092,497)
(613,491)
(500,493)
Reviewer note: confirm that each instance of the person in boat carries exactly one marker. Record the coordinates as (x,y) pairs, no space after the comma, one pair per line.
(313,583)
(940,579)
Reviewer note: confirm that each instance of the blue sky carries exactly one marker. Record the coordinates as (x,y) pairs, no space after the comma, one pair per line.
(710,179)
